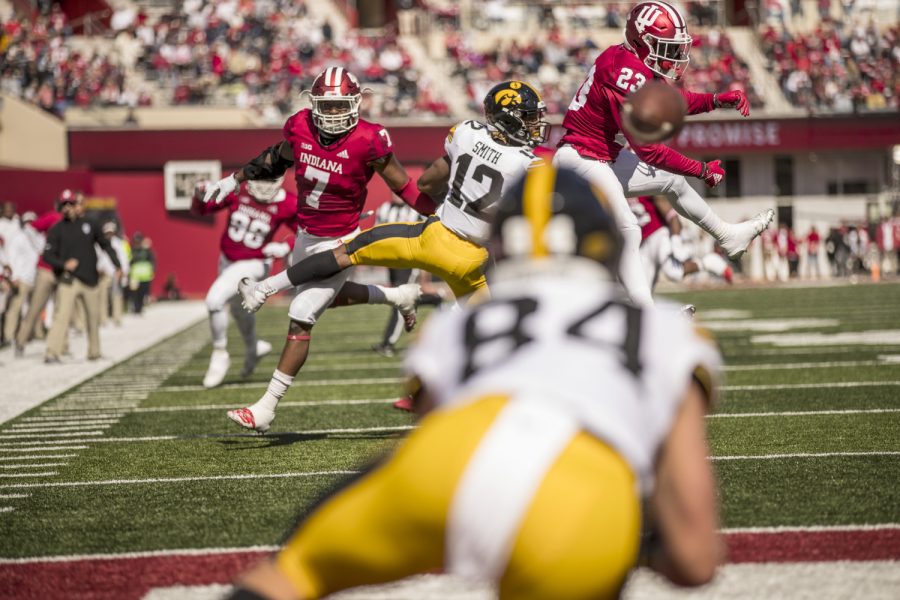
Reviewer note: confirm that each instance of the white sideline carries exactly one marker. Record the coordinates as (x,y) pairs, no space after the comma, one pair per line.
(263,384)
(28,382)
(176,479)
(813,528)
(805,413)
(807,455)
(808,386)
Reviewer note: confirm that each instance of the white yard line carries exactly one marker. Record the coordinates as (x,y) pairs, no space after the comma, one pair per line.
(127,555)
(270,435)
(45,474)
(75,418)
(33,466)
(51,435)
(807,455)
(187,407)
(47,449)
(813,528)
(38,457)
(248,476)
(6,509)
(807,386)
(14,496)
(300,383)
(808,365)
(804,413)
(61,428)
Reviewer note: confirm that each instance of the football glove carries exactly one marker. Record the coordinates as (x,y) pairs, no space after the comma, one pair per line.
(276,249)
(220,189)
(679,250)
(712,173)
(733,99)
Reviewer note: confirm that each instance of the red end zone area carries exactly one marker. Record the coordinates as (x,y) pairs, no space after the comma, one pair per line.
(131,577)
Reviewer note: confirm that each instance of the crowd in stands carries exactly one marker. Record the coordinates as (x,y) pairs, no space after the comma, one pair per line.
(31,284)
(558,64)
(839,67)
(261,54)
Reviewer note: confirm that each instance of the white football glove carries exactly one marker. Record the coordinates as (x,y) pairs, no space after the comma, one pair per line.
(679,251)
(276,249)
(220,189)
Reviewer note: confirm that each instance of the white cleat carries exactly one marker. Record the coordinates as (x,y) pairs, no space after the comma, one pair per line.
(248,419)
(739,236)
(219,363)
(253,294)
(251,360)
(408,295)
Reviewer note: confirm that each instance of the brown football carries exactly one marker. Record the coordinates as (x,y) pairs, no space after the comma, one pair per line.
(654,113)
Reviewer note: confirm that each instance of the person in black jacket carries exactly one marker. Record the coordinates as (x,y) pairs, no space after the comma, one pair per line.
(70,251)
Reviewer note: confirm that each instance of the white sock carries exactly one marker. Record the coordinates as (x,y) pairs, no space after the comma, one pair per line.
(691,205)
(218,325)
(278,282)
(382,295)
(278,387)
(631,269)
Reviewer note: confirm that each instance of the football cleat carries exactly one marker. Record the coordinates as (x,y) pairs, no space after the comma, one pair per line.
(404,403)
(738,238)
(219,364)
(386,350)
(689,310)
(253,294)
(408,295)
(248,420)
(251,360)
(716,265)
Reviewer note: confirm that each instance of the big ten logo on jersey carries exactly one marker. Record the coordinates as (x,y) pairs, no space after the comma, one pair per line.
(249,226)
(497,329)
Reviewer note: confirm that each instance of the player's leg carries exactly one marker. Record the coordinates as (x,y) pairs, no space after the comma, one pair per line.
(93,304)
(216,298)
(639,179)
(394,326)
(44,282)
(601,175)
(306,308)
(66,295)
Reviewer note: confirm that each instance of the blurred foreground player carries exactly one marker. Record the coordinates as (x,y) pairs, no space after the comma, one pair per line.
(247,250)
(656,46)
(334,154)
(557,403)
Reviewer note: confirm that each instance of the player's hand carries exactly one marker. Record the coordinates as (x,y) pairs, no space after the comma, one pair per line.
(713,174)
(71,264)
(276,249)
(220,189)
(734,99)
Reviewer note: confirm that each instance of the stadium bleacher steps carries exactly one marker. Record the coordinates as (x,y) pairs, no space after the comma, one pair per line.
(746,45)
(443,85)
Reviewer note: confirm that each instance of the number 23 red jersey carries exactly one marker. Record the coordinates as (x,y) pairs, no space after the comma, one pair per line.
(593,118)
(332,180)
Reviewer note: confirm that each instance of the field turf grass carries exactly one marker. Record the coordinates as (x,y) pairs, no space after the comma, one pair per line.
(142,457)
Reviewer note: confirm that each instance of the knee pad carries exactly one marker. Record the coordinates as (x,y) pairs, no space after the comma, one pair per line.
(306,309)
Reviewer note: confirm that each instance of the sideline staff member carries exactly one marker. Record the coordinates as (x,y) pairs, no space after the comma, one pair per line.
(70,251)
(556,402)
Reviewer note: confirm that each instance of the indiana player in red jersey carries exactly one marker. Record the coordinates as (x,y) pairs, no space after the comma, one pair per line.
(663,250)
(247,250)
(334,154)
(656,46)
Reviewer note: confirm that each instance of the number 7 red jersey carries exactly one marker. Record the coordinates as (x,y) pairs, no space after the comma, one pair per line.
(332,180)
(594,116)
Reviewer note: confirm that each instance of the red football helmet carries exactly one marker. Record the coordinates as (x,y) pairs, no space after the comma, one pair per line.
(657,33)
(335,96)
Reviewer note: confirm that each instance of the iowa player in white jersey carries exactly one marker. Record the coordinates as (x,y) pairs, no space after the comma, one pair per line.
(556,403)
(480,162)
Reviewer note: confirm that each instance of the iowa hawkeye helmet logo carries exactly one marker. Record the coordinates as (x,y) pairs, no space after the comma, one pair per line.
(508,98)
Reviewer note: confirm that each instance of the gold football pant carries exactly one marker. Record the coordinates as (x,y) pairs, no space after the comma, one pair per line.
(426,245)
(577,539)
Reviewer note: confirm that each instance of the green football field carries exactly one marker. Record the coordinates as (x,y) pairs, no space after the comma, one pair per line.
(142,458)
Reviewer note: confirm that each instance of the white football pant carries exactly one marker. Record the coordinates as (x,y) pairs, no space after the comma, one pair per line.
(224,291)
(315,296)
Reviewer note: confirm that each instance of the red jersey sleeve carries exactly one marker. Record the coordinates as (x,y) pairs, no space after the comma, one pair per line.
(698,102)
(47,220)
(381,145)
(659,155)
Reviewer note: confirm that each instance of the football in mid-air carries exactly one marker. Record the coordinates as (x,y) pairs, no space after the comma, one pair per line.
(654,113)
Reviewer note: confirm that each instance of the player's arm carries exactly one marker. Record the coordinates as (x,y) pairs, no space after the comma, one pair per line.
(663,157)
(435,180)
(271,163)
(668,213)
(395,176)
(684,501)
